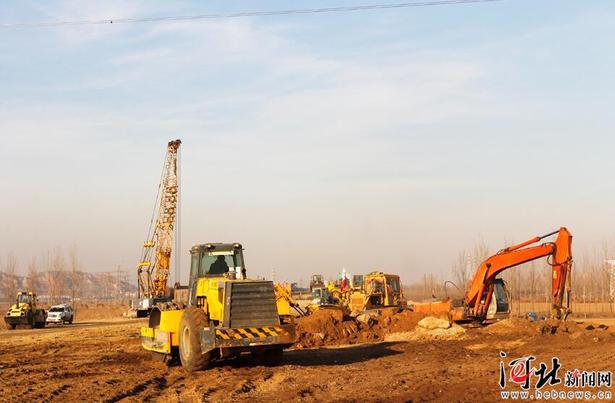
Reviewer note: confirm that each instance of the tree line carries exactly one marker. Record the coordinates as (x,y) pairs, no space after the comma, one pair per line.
(593,277)
(49,271)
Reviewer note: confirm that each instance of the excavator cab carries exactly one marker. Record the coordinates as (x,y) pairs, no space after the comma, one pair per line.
(499,306)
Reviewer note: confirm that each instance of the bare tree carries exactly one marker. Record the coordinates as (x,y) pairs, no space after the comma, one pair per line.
(32,279)
(480,252)
(53,264)
(47,276)
(75,276)
(9,282)
(462,270)
(532,281)
(467,263)
(58,269)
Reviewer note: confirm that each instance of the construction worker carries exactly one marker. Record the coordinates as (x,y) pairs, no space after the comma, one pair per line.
(344,285)
(219,266)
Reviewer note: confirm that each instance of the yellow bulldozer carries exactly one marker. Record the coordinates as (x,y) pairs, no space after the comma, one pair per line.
(378,290)
(227,314)
(24,312)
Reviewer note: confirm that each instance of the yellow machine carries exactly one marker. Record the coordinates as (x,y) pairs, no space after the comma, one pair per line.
(286,304)
(356,282)
(153,267)
(335,292)
(227,314)
(25,312)
(379,290)
(316,281)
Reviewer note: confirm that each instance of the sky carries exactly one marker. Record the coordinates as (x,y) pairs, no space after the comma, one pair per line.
(388,139)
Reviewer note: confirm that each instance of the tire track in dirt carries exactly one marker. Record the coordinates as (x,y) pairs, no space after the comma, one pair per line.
(108,364)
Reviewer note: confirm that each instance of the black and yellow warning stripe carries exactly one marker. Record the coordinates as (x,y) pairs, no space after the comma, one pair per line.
(249,332)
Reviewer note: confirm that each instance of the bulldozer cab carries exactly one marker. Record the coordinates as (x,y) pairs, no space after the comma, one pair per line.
(215,260)
(316,281)
(321,296)
(383,289)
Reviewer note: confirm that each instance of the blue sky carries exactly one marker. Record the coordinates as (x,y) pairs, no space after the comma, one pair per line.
(389,139)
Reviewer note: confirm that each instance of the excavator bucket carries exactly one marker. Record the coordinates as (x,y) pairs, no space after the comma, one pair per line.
(433,308)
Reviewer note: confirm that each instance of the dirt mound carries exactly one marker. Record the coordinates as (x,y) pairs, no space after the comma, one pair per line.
(513,326)
(324,327)
(330,327)
(553,326)
(431,323)
(430,328)
(525,327)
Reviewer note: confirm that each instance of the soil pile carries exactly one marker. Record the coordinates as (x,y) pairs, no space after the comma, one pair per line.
(430,328)
(331,327)
(525,327)
(513,326)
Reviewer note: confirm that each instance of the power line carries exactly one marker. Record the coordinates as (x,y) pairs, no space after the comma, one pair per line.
(370,7)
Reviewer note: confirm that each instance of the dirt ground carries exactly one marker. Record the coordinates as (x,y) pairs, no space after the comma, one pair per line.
(101,360)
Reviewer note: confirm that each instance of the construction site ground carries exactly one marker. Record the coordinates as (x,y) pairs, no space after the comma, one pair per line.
(101,360)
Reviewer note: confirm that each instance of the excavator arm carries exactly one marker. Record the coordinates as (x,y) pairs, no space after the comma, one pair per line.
(479,294)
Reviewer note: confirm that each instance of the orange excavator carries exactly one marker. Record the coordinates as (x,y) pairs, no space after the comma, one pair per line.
(486,298)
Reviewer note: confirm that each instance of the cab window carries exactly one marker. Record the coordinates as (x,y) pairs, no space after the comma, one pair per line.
(219,262)
(393,283)
(23,299)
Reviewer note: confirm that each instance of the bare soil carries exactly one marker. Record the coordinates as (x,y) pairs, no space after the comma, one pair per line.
(101,360)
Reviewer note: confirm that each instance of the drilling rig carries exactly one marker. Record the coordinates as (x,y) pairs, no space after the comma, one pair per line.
(153,268)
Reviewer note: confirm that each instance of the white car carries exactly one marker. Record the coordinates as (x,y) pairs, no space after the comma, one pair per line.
(60,314)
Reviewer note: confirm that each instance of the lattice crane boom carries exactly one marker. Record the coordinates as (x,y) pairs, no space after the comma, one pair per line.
(153,275)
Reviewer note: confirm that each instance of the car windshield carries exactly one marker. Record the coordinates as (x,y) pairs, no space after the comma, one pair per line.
(219,262)
(56,309)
